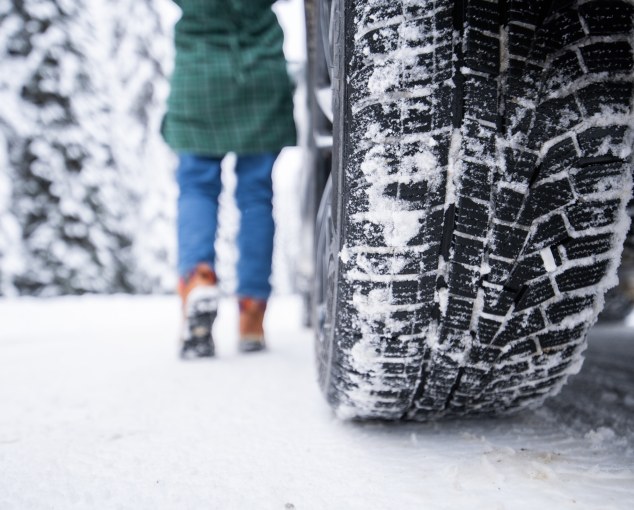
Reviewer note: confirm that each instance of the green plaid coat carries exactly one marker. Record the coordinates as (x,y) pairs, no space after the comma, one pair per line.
(230,90)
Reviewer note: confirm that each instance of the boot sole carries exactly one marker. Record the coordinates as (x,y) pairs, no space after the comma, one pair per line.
(202,309)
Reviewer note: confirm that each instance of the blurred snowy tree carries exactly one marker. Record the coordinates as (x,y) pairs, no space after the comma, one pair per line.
(9,229)
(81,89)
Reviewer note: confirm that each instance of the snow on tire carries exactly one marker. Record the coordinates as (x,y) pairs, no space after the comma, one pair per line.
(481,171)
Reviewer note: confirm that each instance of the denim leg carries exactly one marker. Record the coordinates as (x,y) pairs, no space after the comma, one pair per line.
(199,184)
(254,195)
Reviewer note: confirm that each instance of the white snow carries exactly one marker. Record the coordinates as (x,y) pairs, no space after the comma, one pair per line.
(98,412)
(549,260)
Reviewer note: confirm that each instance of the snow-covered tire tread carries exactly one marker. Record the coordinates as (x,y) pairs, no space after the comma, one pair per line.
(484,172)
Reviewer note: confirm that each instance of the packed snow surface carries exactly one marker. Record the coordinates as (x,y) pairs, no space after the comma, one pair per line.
(98,412)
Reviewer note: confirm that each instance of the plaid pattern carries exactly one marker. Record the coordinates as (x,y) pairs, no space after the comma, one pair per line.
(230,90)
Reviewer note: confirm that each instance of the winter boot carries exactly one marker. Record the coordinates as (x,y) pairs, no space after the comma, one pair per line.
(251,324)
(199,296)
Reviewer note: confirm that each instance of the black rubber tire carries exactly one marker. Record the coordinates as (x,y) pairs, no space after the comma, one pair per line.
(317,152)
(481,170)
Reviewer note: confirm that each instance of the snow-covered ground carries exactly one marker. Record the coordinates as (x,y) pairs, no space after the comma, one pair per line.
(96,411)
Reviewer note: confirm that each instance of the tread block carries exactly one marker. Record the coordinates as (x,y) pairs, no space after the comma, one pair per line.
(559,157)
(555,117)
(458,313)
(404,292)
(593,140)
(447,233)
(396,347)
(546,198)
(497,302)
(520,40)
(480,354)
(519,326)
(442,55)
(443,19)
(500,271)
(480,140)
(413,10)
(376,121)
(557,369)
(418,72)
(560,338)
(421,318)
(471,217)
(536,293)
(507,241)
(379,41)
(613,56)
(391,368)
(525,12)
(568,306)
(523,77)
(607,17)
(358,82)
(365,233)
(463,281)
(358,199)
(431,229)
(418,116)
(370,13)
(588,246)
(512,375)
(508,204)
(565,69)
(421,25)
(412,191)
(481,97)
(581,276)
(475,181)
(566,28)
(482,51)
(521,349)
(387,155)
(520,165)
(468,251)
(596,97)
(599,178)
(426,288)
(409,262)
(518,118)
(443,106)
(483,15)
(592,214)
(528,268)
(548,233)
(487,330)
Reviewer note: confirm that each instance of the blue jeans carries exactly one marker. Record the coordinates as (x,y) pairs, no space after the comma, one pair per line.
(199,182)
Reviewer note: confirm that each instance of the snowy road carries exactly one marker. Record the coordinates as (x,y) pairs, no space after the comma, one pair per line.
(97,412)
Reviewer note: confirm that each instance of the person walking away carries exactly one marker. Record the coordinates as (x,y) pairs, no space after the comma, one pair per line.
(230,92)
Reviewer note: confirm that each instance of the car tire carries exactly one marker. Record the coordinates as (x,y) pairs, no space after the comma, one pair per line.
(481,170)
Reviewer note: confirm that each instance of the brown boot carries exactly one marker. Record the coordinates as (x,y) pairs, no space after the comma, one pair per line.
(199,297)
(202,275)
(251,324)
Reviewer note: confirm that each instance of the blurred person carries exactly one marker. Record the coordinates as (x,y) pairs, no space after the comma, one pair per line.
(230,92)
